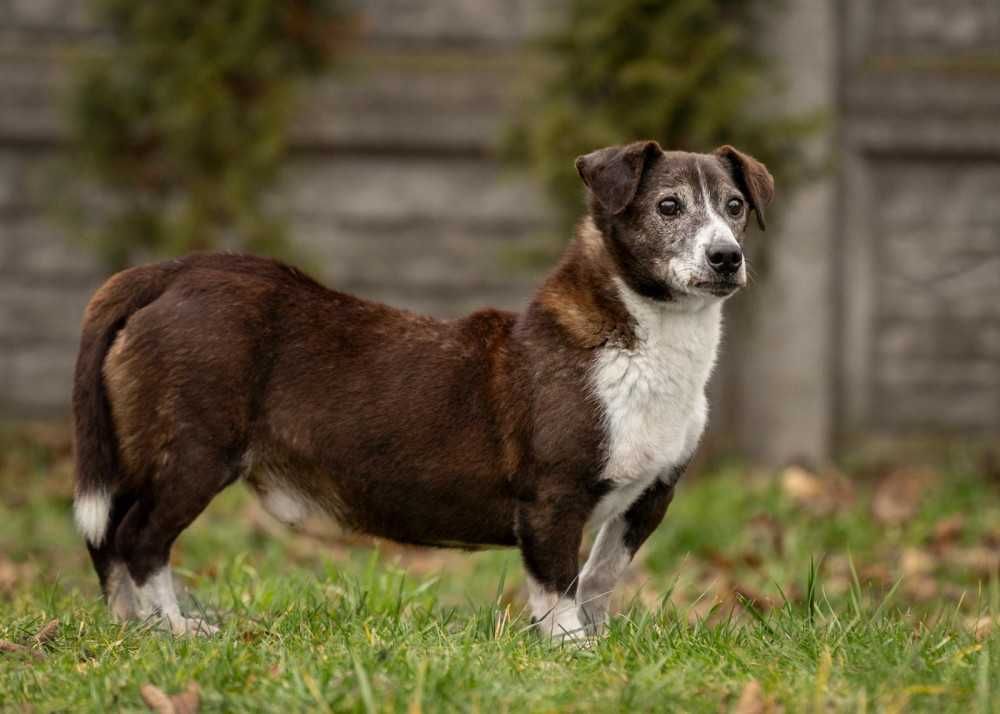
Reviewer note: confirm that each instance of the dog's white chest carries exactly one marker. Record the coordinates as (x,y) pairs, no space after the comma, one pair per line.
(653,396)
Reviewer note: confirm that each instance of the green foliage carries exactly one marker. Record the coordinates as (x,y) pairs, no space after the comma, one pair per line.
(684,72)
(180,122)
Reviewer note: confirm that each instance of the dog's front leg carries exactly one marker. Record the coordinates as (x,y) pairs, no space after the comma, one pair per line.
(549,534)
(613,550)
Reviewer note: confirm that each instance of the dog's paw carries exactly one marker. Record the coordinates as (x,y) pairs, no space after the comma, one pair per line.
(192,626)
(561,626)
(578,636)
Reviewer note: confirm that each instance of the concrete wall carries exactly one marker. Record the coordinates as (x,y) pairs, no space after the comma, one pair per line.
(878,311)
(919,239)
(393,190)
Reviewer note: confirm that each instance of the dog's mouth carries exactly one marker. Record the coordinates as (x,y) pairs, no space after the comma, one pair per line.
(719,288)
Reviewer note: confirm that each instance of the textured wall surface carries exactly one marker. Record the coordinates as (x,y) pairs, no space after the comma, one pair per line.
(393,190)
(879,313)
(918,268)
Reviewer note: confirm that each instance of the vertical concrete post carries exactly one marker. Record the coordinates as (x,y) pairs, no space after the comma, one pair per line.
(780,359)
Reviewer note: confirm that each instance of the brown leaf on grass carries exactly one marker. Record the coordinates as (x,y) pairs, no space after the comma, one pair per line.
(921,588)
(898,496)
(156,699)
(719,559)
(14,648)
(982,627)
(819,493)
(753,701)
(877,574)
(47,633)
(979,559)
(802,486)
(916,561)
(948,530)
(187,702)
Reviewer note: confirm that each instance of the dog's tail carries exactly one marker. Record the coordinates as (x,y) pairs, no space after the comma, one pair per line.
(98,470)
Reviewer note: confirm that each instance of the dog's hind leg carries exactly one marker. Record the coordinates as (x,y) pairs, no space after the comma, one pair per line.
(165,506)
(111,571)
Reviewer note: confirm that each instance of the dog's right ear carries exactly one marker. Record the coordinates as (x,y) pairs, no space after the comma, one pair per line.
(613,174)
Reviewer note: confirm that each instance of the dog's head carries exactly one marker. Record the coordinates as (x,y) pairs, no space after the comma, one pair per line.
(674,221)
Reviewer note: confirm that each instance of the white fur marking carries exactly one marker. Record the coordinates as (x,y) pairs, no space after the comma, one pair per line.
(121,593)
(653,396)
(691,268)
(607,563)
(285,505)
(716,226)
(156,597)
(716,229)
(555,614)
(92,511)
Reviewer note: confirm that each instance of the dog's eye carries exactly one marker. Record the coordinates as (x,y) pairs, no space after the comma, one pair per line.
(734,207)
(669,207)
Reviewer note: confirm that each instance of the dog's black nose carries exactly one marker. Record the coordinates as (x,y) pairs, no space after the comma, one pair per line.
(725,258)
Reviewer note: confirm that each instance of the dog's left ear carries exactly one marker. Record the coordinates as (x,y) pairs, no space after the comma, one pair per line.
(613,174)
(752,178)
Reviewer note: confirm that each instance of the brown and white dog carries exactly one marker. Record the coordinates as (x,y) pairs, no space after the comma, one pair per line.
(496,429)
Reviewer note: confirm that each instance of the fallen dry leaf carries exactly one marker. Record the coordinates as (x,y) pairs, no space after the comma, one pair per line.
(916,561)
(14,648)
(899,495)
(187,702)
(752,700)
(877,573)
(47,633)
(819,493)
(982,627)
(156,699)
(921,588)
(804,487)
(948,530)
(979,559)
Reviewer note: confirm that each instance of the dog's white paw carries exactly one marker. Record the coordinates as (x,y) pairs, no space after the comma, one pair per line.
(562,624)
(181,626)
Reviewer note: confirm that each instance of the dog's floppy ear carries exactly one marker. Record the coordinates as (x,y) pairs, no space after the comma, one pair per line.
(752,178)
(613,174)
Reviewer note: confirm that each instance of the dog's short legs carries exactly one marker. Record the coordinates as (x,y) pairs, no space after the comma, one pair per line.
(605,566)
(550,537)
(168,504)
(121,594)
(116,585)
(613,550)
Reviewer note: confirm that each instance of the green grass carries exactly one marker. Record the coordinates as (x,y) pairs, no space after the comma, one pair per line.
(835,627)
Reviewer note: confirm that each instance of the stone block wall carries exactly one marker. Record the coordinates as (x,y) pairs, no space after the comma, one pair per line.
(392,191)
(878,315)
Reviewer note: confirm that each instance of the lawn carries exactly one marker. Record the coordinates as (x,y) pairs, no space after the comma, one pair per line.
(785,591)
